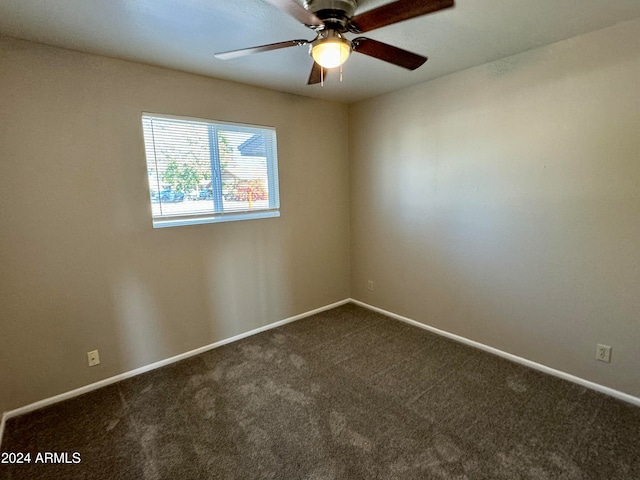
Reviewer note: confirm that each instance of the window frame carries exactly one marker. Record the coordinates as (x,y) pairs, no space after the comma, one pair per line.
(213,216)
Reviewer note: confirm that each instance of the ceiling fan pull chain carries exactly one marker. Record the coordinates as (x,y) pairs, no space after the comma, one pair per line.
(321,76)
(340,73)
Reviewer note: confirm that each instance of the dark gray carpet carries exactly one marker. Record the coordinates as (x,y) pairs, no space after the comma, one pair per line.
(346,394)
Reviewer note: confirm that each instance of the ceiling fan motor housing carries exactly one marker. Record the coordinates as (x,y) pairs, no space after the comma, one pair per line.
(334,13)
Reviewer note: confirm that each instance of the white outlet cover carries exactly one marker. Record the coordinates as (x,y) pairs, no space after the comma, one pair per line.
(93,358)
(603,353)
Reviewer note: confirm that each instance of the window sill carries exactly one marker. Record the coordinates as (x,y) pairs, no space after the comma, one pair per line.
(201,219)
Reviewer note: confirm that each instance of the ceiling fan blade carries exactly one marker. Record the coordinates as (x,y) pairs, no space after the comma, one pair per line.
(298,12)
(396,12)
(316,74)
(262,48)
(388,53)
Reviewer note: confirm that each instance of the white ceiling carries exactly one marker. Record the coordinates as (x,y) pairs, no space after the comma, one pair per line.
(184,35)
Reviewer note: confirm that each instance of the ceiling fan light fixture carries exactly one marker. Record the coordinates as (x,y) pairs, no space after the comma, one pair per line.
(331,51)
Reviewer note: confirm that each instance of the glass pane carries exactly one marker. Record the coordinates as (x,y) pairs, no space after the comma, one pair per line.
(243,160)
(179,168)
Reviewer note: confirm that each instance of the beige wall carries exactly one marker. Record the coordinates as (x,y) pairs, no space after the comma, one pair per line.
(502,203)
(82,268)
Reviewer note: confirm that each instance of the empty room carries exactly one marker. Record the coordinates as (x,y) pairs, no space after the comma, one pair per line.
(320,239)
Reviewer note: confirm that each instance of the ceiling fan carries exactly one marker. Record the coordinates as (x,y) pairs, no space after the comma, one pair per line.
(331,19)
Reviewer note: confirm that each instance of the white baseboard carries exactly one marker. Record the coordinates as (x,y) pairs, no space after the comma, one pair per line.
(509,356)
(4,418)
(132,373)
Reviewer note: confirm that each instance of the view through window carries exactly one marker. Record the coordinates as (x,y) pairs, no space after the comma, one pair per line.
(201,172)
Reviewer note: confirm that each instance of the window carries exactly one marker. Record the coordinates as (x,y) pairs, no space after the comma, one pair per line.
(203,172)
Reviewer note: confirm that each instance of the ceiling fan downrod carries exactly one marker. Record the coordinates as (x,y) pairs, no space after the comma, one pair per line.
(335,14)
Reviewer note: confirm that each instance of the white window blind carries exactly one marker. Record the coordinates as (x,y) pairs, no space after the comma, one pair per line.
(201,171)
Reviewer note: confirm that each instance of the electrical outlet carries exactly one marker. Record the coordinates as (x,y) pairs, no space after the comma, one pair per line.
(603,353)
(370,285)
(93,357)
